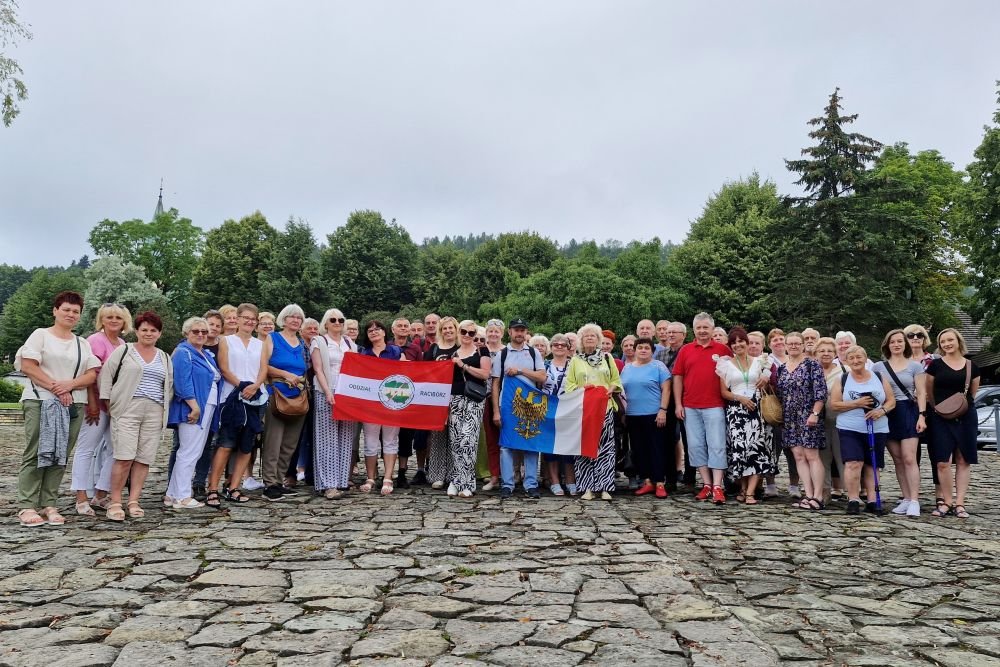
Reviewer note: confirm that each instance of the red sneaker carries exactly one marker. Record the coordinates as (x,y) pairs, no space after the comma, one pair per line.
(661,491)
(644,489)
(704,494)
(718,496)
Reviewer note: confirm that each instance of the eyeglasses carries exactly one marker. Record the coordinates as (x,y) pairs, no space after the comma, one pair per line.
(199,332)
(374,329)
(470,334)
(112,305)
(495,323)
(336,320)
(916,335)
(559,345)
(248,318)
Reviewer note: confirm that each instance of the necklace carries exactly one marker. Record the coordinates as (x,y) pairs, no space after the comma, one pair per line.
(746,373)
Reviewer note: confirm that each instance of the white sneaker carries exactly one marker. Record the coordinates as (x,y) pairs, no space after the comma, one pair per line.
(465,493)
(300,475)
(903,507)
(913,509)
(793,491)
(452,490)
(437,485)
(251,484)
(187,504)
(770,491)
(489,486)
(557,490)
(606,496)
(571,489)
(587,495)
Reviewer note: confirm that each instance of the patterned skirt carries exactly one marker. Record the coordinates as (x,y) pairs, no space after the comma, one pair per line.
(465,417)
(333,441)
(750,447)
(599,474)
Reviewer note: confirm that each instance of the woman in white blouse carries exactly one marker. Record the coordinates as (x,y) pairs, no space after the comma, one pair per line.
(750,438)
(333,440)
(60,366)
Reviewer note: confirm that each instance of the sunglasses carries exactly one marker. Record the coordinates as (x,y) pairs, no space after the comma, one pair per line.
(336,320)
(199,332)
(559,345)
(112,305)
(470,334)
(915,336)
(479,340)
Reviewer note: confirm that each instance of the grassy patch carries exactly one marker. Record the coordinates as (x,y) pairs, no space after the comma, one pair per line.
(10,406)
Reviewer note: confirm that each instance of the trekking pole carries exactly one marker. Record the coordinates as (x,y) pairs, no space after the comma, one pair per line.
(871,448)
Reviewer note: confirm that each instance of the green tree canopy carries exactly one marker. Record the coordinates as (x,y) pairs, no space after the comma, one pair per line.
(11,277)
(236,254)
(12,87)
(981,229)
(294,274)
(368,264)
(495,267)
(167,248)
(110,280)
(726,262)
(31,305)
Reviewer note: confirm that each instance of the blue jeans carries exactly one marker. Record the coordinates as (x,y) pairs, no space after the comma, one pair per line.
(507,469)
(706,432)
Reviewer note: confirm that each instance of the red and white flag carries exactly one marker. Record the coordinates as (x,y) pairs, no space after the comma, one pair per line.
(410,394)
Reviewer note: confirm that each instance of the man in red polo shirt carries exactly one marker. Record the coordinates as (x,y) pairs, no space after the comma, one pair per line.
(700,406)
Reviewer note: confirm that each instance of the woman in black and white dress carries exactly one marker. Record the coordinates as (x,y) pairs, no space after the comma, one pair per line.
(749,437)
(439,458)
(333,439)
(465,415)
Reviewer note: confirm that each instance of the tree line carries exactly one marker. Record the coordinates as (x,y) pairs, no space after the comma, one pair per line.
(879,236)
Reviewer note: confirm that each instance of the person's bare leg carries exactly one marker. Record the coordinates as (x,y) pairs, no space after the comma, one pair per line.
(219,463)
(706,475)
(800,464)
(750,485)
(911,468)
(852,479)
(896,452)
(963,473)
(239,467)
(947,483)
(119,473)
(137,479)
(817,472)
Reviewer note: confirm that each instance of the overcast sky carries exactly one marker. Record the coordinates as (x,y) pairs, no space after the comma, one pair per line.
(613,119)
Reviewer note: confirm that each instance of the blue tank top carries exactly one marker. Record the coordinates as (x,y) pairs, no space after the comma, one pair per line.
(287,358)
(854,420)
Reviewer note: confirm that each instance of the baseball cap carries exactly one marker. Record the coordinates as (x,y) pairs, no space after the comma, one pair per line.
(518,323)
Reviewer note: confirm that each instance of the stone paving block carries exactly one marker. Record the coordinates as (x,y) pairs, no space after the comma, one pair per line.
(276,614)
(241,577)
(286,642)
(240,594)
(77,655)
(631,655)
(401,643)
(182,608)
(475,638)
(226,634)
(157,654)
(621,615)
(153,629)
(519,656)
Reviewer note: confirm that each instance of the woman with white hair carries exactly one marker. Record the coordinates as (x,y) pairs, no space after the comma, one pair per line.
(197,381)
(846,340)
(285,356)
(465,413)
(591,366)
(494,331)
(333,438)
(555,385)
(540,343)
(112,322)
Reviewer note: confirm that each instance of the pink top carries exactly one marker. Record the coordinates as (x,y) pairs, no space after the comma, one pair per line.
(101,346)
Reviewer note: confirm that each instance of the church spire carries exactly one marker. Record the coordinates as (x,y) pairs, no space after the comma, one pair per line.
(159,203)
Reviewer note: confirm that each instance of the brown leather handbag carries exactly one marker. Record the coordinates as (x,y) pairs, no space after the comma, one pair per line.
(957,404)
(291,407)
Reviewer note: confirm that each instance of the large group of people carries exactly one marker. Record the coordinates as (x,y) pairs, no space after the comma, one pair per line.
(716,414)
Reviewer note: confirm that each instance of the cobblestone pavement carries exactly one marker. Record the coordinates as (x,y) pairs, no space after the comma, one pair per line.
(420,579)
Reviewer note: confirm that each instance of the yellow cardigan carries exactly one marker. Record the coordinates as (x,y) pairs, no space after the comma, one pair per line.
(581,374)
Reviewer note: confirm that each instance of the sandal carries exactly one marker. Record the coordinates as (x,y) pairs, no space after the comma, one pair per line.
(213,499)
(943,509)
(960,512)
(103,502)
(30,518)
(115,512)
(750,500)
(387,488)
(741,497)
(84,509)
(233,496)
(814,504)
(367,486)
(52,515)
(134,511)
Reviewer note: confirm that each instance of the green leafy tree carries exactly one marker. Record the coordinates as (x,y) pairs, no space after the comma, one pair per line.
(915,202)
(11,277)
(167,248)
(434,284)
(572,292)
(981,229)
(236,254)
(496,266)
(110,280)
(10,392)
(369,264)
(726,262)
(31,305)
(294,274)
(12,87)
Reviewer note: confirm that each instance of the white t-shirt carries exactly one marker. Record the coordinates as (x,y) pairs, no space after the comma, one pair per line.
(335,353)
(244,362)
(58,358)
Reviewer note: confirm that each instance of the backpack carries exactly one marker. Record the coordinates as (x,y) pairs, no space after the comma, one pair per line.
(503,362)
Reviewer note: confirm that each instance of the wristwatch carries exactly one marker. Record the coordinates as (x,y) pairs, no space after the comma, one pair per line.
(815,414)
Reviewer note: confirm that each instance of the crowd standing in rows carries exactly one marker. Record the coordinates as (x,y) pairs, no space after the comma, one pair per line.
(245,386)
